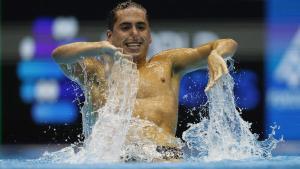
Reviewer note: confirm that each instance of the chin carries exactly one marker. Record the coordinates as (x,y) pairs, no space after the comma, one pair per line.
(134,55)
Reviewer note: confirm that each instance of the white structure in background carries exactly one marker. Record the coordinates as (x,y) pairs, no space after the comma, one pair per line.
(47,90)
(27,48)
(203,37)
(288,70)
(164,40)
(42,88)
(65,28)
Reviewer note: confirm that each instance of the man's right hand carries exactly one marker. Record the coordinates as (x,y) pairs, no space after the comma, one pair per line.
(109,49)
(71,53)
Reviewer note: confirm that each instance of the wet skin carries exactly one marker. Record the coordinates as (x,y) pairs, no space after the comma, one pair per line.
(157,96)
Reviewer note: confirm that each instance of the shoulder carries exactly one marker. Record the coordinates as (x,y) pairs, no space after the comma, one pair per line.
(91,63)
(163,56)
(75,71)
(88,64)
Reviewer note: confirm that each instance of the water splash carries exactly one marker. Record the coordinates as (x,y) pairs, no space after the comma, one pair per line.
(224,134)
(106,128)
(112,135)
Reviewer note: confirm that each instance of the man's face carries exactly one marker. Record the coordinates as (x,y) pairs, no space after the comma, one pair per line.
(131,32)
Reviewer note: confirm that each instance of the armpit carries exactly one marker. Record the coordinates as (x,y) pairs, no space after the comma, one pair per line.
(72,71)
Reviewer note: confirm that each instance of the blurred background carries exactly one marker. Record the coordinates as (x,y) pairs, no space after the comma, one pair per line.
(40,107)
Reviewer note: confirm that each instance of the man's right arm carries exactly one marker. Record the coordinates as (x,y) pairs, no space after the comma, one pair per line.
(75,57)
(73,52)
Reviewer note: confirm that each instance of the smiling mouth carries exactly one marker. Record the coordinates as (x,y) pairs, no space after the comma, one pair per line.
(133,45)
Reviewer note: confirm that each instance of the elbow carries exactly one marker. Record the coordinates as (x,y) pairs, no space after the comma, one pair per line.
(229,43)
(228,47)
(232,43)
(57,54)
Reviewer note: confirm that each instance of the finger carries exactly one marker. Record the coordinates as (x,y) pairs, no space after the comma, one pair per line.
(209,86)
(118,54)
(225,68)
(120,49)
(211,72)
(215,75)
(127,56)
(206,89)
(218,74)
(210,81)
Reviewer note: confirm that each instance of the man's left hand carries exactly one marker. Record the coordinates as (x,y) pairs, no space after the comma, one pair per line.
(216,67)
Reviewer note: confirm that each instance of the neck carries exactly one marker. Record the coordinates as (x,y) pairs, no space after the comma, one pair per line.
(140,61)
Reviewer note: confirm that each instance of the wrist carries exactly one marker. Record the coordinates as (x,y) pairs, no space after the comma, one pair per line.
(105,47)
(215,52)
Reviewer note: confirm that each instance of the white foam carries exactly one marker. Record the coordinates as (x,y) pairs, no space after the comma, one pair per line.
(224,134)
(117,137)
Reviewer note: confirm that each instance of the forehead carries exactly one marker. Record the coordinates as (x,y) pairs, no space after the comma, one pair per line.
(131,14)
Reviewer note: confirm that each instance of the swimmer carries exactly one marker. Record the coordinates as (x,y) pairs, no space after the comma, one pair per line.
(129,35)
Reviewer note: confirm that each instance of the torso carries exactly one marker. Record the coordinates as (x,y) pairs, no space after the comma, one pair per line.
(157,99)
(157,95)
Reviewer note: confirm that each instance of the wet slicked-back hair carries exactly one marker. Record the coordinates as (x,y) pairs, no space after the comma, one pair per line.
(111,19)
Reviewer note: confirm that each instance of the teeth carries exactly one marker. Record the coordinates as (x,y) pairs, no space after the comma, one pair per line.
(133,44)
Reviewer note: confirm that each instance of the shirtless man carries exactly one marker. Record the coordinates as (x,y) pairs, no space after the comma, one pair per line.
(159,78)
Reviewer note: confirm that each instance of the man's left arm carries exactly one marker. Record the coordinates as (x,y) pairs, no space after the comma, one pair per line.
(188,59)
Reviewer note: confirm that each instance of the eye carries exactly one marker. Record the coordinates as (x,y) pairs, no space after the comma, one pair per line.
(141,27)
(125,27)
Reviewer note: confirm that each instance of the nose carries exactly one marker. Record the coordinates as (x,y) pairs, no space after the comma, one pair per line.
(134,31)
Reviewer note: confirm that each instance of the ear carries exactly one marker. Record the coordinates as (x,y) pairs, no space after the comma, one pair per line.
(108,35)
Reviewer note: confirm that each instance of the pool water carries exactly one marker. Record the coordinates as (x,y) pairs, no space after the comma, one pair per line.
(278,162)
(222,140)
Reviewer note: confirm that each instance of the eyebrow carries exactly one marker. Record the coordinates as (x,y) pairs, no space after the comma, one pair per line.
(141,23)
(138,23)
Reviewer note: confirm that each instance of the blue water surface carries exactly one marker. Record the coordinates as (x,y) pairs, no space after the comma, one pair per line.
(277,162)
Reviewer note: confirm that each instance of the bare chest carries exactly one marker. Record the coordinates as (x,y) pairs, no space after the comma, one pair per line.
(155,79)
(157,96)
